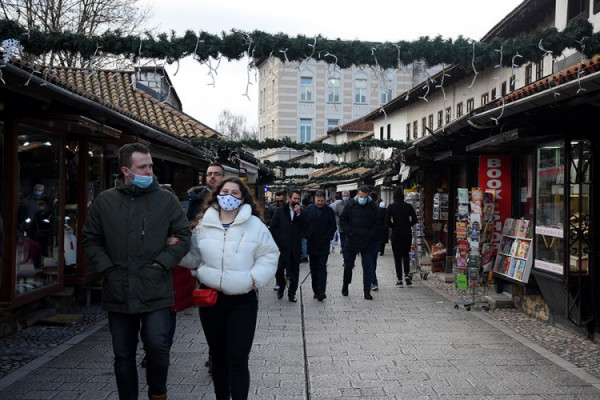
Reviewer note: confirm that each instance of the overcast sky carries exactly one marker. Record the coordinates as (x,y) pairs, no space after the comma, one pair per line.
(384,20)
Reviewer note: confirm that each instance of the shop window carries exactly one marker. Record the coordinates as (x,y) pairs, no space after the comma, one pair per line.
(579,218)
(550,208)
(38,212)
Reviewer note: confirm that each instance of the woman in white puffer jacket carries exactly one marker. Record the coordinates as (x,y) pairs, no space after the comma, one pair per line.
(232,251)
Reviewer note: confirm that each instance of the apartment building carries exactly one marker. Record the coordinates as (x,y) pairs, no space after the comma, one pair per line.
(302,101)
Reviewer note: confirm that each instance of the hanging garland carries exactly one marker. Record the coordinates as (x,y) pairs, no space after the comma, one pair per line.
(260,45)
(254,144)
(357,164)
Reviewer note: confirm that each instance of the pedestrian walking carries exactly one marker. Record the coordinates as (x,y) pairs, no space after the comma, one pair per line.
(125,238)
(287,226)
(320,232)
(339,207)
(215,172)
(235,254)
(401,217)
(359,222)
(381,237)
(279,200)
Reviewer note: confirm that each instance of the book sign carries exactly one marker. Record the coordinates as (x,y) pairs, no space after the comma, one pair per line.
(494,175)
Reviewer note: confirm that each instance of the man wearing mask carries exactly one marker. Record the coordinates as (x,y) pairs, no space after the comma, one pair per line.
(359,223)
(287,226)
(339,207)
(214,173)
(125,238)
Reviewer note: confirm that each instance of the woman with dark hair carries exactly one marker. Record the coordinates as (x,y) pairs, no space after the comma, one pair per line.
(234,253)
(401,217)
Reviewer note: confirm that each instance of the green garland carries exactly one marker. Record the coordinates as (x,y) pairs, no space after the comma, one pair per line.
(203,142)
(260,45)
(353,165)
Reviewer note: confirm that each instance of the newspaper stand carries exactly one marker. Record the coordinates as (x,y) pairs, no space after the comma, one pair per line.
(417,248)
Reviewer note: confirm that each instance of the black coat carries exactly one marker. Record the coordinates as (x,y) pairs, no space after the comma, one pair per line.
(321,228)
(287,233)
(359,224)
(401,217)
(382,228)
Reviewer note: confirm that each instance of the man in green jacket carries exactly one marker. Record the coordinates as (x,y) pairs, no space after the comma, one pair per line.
(125,238)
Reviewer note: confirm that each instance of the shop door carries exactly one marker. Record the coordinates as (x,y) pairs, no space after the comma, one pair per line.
(579,271)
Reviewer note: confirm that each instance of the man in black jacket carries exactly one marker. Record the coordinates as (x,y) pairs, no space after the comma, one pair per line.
(321,228)
(401,217)
(287,226)
(214,173)
(359,223)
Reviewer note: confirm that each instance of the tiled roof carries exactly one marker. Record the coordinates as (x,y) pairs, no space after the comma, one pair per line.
(115,89)
(358,125)
(568,74)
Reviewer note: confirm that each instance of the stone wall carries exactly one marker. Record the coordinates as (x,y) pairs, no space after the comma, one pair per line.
(533,305)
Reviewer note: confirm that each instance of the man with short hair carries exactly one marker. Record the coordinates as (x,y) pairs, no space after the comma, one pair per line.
(279,200)
(287,226)
(321,228)
(125,238)
(359,222)
(339,207)
(214,173)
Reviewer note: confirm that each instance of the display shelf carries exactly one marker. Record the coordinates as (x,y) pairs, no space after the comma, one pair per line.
(514,258)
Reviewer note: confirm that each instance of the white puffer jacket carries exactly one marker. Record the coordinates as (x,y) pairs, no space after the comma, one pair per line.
(236,260)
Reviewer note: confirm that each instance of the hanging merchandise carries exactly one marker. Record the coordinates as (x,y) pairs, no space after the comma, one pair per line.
(418,248)
(514,260)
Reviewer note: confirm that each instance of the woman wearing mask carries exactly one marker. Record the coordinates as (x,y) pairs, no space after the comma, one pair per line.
(235,254)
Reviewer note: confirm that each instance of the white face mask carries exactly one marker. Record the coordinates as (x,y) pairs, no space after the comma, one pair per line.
(229,202)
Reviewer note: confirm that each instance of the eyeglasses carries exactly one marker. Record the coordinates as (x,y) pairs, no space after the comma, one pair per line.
(215,174)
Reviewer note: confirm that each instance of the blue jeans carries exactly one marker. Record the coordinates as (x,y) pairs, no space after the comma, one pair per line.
(304,248)
(366,258)
(229,328)
(374,263)
(124,329)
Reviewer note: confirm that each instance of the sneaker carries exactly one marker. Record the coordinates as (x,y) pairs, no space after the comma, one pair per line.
(276,287)
(280,293)
(408,281)
(374,287)
(399,283)
(292,299)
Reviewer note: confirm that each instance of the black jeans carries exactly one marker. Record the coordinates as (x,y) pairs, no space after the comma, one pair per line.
(366,258)
(155,327)
(229,328)
(401,248)
(294,267)
(318,272)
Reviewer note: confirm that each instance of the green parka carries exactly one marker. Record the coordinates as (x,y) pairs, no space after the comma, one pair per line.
(125,233)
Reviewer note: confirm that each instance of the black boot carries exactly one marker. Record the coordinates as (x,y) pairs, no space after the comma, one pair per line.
(345,289)
(368,296)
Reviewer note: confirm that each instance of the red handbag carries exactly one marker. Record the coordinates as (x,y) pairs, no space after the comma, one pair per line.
(206,297)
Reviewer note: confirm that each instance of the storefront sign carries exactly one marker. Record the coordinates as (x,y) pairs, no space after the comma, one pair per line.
(494,175)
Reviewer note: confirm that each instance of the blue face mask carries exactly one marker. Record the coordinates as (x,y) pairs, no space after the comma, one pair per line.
(37,193)
(345,198)
(362,200)
(141,181)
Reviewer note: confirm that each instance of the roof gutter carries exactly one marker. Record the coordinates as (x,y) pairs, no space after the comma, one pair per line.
(149,132)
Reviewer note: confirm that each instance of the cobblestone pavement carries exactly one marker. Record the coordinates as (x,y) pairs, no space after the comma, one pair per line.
(567,344)
(406,343)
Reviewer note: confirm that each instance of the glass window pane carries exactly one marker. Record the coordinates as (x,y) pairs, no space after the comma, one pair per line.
(38,211)
(550,208)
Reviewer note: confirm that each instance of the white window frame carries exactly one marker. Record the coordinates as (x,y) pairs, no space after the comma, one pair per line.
(333,90)
(360,92)
(305,134)
(306,88)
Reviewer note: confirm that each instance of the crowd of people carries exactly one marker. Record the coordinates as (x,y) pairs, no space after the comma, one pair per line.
(155,254)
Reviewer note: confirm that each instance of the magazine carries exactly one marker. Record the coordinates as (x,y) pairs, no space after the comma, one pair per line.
(463,196)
